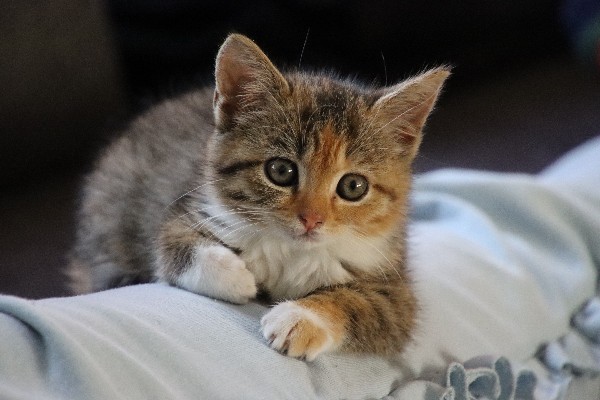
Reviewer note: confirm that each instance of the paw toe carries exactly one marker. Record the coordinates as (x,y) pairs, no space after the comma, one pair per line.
(295,331)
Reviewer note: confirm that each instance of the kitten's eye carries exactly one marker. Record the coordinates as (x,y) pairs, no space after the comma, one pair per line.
(281,171)
(352,187)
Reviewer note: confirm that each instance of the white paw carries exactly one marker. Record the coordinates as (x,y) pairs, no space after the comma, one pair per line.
(297,331)
(220,274)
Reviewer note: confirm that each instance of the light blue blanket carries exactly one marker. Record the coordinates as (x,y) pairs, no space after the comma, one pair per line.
(501,261)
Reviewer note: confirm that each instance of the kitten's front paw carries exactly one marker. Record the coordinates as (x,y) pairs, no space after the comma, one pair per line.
(297,331)
(221,274)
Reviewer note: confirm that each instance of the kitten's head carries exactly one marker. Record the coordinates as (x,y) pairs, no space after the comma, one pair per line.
(312,157)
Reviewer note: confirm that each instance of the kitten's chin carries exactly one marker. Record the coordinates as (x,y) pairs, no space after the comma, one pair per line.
(305,239)
(310,237)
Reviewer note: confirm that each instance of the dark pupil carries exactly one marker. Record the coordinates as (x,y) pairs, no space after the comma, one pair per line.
(283,170)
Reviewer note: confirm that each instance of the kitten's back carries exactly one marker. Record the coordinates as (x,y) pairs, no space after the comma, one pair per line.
(128,194)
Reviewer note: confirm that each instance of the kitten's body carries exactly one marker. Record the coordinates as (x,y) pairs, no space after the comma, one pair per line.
(189,198)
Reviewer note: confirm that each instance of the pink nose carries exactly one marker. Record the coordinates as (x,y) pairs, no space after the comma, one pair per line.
(310,220)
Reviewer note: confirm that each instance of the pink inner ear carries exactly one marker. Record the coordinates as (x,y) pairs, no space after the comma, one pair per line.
(230,75)
(239,62)
(416,97)
(230,68)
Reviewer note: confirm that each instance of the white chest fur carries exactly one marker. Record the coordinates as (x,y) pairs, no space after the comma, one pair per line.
(289,271)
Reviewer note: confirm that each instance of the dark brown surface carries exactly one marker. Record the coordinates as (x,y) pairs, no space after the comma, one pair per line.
(35,233)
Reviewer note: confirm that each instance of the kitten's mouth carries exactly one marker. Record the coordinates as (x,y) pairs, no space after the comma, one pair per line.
(301,236)
(309,237)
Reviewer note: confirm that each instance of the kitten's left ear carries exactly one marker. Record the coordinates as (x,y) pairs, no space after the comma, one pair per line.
(404,108)
(244,76)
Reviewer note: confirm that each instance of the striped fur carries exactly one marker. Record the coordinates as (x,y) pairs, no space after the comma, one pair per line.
(184,196)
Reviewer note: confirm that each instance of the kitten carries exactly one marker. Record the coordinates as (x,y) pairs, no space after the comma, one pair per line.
(295,185)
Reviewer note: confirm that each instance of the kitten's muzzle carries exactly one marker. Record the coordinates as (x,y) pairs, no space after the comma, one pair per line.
(311,220)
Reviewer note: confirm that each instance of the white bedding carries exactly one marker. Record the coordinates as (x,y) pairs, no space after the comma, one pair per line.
(501,261)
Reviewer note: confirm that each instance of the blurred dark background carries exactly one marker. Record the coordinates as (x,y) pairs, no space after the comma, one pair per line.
(525,89)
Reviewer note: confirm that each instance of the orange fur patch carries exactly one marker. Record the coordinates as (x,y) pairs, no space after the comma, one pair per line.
(322,167)
(381,212)
(331,312)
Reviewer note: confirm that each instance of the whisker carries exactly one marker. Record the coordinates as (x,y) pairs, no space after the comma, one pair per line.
(191,191)
(251,233)
(197,211)
(364,239)
(200,224)
(237,229)
(384,69)
(303,47)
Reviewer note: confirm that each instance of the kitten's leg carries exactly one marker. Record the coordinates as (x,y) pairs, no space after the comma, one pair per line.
(374,317)
(191,260)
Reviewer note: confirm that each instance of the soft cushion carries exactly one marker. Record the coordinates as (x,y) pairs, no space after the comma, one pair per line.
(501,262)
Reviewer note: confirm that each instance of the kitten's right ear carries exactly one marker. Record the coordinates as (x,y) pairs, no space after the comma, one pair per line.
(404,108)
(244,76)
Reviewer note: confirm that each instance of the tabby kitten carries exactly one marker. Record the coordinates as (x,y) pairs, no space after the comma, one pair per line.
(294,185)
